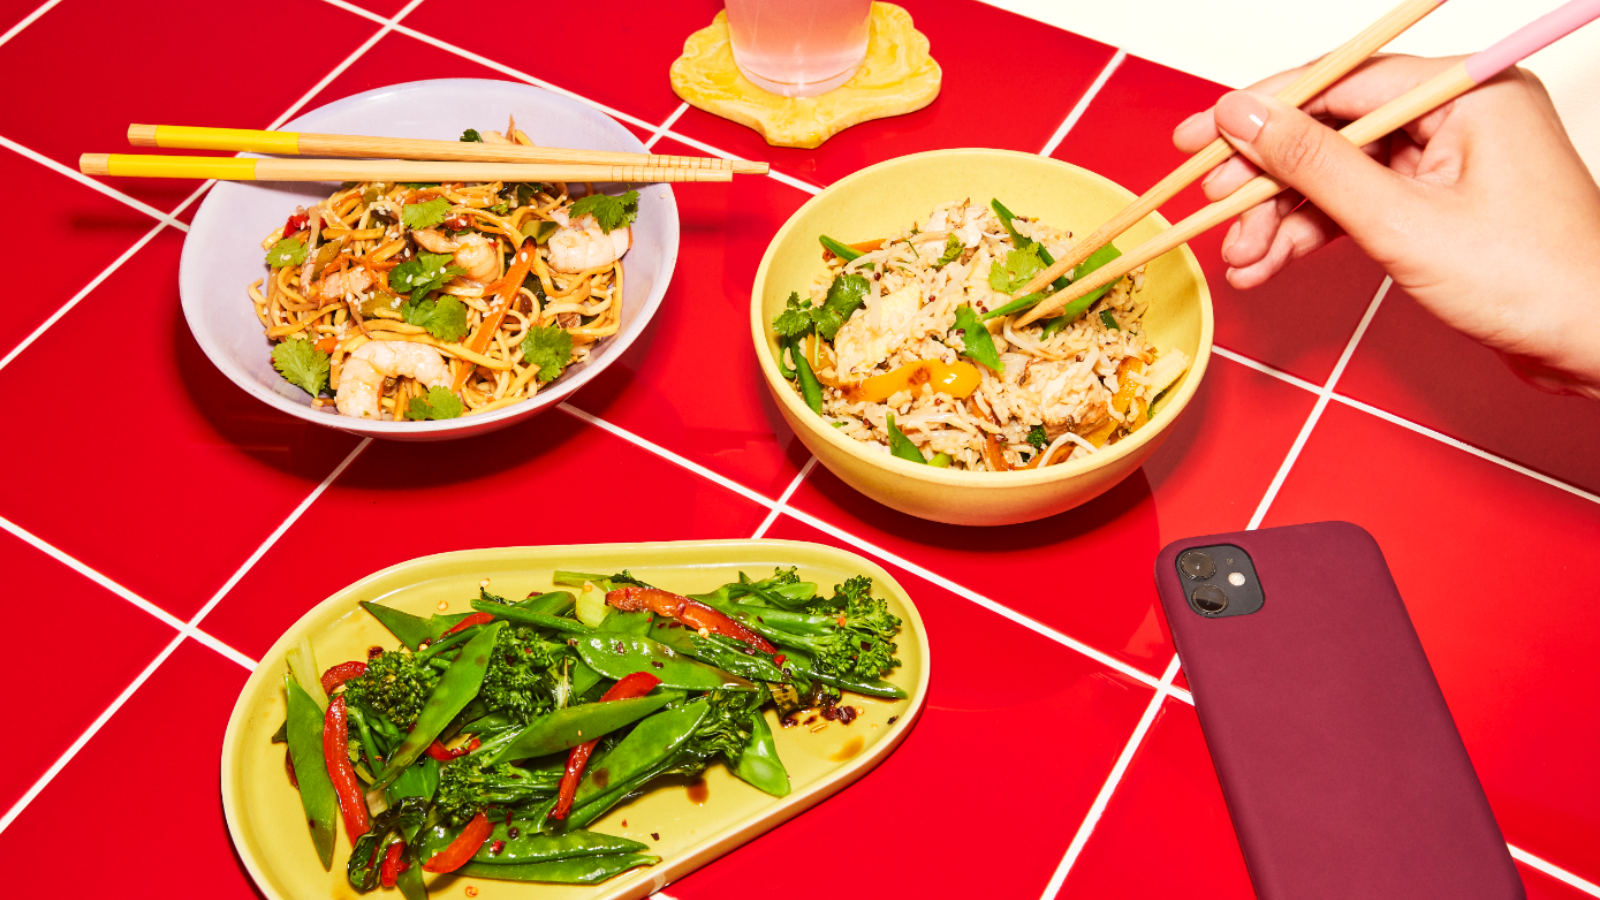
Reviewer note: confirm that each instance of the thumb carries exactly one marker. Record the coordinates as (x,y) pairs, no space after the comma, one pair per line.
(1356,191)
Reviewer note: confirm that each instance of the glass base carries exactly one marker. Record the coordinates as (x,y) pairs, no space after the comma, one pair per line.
(809,89)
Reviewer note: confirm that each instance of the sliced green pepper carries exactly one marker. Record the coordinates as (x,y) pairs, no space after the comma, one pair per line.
(901,446)
(566,728)
(810,388)
(618,656)
(317,798)
(759,765)
(843,251)
(456,688)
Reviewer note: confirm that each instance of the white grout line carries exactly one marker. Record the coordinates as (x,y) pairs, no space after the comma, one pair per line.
(1323,394)
(662,128)
(1098,808)
(1264,369)
(94,728)
(89,572)
(83,179)
(26,21)
(388,26)
(784,499)
(277,533)
(1556,872)
(82,293)
(1083,103)
(666,454)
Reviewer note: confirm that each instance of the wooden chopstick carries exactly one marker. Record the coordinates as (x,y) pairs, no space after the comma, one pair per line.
(233,168)
(295,143)
(1420,100)
(1322,73)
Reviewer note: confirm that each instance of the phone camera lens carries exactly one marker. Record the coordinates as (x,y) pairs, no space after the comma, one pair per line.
(1197,565)
(1210,599)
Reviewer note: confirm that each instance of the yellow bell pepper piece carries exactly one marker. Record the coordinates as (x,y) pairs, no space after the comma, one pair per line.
(957,379)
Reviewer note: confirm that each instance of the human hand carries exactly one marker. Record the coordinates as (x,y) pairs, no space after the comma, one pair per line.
(1482,210)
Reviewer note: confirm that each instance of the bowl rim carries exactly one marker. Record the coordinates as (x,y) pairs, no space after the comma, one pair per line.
(191,291)
(798,411)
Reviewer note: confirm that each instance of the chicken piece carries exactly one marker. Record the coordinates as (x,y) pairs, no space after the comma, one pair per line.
(875,332)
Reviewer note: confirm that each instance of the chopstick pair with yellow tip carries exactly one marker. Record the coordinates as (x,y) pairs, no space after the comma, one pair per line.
(403,159)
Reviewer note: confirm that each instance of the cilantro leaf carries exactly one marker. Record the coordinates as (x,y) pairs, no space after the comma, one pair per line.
(445,319)
(471,136)
(952,250)
(1037,438)
(795,320)
(1019,269)
(302,365)
(291,251)
(440,403)
(611,212)
(422,276)
(425,215)
(549,348)
(976,337)
(847,294)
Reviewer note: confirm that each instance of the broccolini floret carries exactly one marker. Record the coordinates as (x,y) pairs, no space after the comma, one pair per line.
(395,686)
(725,730)
(465,788)
(860,645)
(522,673)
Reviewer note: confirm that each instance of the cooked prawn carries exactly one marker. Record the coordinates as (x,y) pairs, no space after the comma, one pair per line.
(361,378)
(579,245)
(473,252)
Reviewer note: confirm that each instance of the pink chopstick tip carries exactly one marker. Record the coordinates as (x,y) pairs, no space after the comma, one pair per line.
(1531,38)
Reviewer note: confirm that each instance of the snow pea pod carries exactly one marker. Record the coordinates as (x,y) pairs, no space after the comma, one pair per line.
(550,603)
(582,815)
(759,765)
(651,742)
(317,798)
(720,652)
(456,688)
(529,846)
(579,870)
(810,388)
(636,623)
(528,617)
(765,619)
(618,656)
(1073,310)
(411,630)
(564,729)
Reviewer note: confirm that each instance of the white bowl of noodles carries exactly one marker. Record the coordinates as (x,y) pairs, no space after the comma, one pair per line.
(223,255)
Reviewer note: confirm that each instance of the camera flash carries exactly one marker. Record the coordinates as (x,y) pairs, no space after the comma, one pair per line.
(1236,579)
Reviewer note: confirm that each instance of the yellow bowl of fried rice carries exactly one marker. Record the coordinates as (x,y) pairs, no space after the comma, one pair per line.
(1163,310)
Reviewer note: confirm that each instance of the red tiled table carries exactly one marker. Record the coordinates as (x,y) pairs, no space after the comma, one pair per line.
(182,525)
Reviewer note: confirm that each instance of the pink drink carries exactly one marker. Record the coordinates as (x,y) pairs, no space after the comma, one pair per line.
(798,48)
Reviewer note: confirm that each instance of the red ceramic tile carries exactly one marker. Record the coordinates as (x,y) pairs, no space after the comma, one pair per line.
(156,760)
(1497,572)
(83,231)
(194,67)
(619,54)
(691,383)
(112,641)
(398,53)
(1165,832)
(14,11)
(985,99)
(551,480)
(160,474)
(1208,477)
(1299,321)
(912,832)
(1411,364)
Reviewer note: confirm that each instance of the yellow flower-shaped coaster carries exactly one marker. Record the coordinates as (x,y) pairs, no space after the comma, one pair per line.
(897,77)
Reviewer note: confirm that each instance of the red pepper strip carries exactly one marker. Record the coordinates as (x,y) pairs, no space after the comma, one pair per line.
(392,866)
(636,685)
(692,613)
(335,749)
(295,223)
(477,618)
(438,751)
(341,673)
(463,847)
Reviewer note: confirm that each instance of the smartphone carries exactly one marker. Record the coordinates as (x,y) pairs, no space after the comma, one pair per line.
(1342,769)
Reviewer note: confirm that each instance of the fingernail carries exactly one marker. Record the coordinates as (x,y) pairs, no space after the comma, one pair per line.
(1210,176)
(1241,115)
(1227,242)
(1186,122)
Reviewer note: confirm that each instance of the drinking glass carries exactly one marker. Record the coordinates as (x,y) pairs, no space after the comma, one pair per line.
(798,48)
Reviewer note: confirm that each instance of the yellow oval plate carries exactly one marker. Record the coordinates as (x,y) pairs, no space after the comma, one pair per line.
(263,809)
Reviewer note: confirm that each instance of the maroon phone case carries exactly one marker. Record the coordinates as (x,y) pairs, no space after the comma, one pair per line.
(1341,766)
